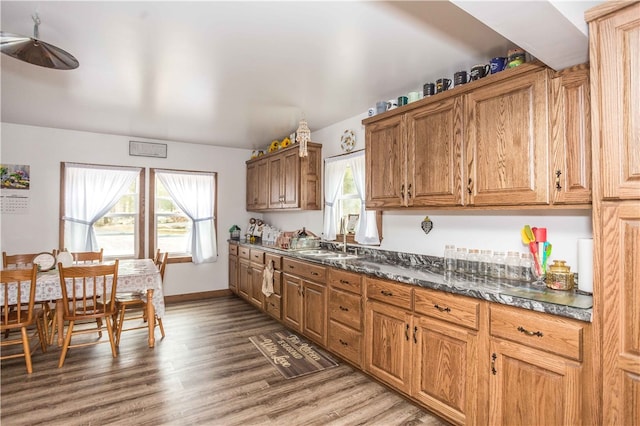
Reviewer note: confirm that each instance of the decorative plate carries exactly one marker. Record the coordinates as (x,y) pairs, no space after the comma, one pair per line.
(45,261)
(426,225)
(348,141)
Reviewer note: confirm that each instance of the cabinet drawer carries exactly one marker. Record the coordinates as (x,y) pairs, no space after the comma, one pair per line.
(257,256)
(348,281)
(233,249)
(304,270)
(448,307)
(345,342)
(243,252)
(277,261)
(345,308)
(541,331)
(273,305)
(389,292)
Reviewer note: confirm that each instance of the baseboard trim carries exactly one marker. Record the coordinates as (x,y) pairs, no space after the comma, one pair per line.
(196,296)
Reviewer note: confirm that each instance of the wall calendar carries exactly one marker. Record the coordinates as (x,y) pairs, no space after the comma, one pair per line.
(14,189)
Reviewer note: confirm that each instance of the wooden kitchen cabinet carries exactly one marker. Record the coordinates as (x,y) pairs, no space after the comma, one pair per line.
(257,181)
(446,354)
(537,368)
(305,299)
(570,120)
(614,50)
(273,303)
(417,157)
(233,268)
(434,154)
(387,345)
(344,334)
(244,278)
(283,180)
(507,142)
(385,160)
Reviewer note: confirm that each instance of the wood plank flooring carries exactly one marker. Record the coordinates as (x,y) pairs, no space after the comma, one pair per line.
(205,372)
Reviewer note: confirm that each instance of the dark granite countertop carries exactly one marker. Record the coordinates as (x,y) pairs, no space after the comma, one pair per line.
(426,271)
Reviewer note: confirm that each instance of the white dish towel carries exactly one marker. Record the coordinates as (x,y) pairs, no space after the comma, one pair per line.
(267,279)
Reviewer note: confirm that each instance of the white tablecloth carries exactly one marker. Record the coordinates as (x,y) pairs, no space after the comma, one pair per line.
(133,275)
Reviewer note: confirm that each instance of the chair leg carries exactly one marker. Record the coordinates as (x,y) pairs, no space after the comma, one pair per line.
(41,325)
(27,349)
(111,337)
(65,346)
(159,320)
(120,323)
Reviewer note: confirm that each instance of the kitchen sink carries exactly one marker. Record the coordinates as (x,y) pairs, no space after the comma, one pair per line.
(315,252)
(327,254)
(341,256)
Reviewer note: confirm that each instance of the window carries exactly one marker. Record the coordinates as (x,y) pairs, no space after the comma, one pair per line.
(344,186)
(102,209)
(183,207)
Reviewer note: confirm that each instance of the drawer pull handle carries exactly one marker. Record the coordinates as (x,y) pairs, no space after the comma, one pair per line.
(344,282)
(314,273)
(386,293)
(415,331)
(493,364)
(343,343)
(441,309)
(521,329)
(342,308)
(291,266)
(406,332)
(558,174)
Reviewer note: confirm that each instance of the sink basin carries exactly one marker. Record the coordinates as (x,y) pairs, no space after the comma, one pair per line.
(327,254)
(315,252)
(341,256)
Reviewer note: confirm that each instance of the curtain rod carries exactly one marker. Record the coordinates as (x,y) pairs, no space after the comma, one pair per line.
(344,155)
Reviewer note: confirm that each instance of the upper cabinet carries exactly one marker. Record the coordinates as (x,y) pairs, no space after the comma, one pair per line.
(615,59)
(519,138)
(507,142)
(570,120)
(285,181)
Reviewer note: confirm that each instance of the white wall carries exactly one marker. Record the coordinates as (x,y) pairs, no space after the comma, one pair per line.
(44,148)
(495,230)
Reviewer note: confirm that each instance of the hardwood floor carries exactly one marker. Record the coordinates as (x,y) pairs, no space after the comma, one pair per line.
(205,372)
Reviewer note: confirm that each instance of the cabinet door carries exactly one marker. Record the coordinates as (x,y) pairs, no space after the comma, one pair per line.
(619,289)
(387,345)
(257,189)
(292,302)
(530,387)
(445,369)
(434,142)
(571,137)
(507,142)
(256,296)
(290,185)
(315,312)
(233,274)
(385,159)
(276,168)
(244,279)
(615,60)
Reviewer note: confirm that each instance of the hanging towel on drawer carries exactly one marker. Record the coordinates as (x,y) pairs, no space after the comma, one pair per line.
(267,279)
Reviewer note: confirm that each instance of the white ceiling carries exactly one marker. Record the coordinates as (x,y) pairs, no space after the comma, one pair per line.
(243,73)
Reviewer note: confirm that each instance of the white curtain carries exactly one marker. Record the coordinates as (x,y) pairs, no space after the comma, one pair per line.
(367,232)
(90,192)
(194,193)
(334,169)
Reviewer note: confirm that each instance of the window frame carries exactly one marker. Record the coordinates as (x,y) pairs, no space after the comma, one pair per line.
(152,210)
(138,236)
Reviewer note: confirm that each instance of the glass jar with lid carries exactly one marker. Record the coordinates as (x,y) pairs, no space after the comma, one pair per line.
(526,263)
(449,258)
(461,260)
(498,267)
(484,263)
(473,260)
(512,264)
(559,276)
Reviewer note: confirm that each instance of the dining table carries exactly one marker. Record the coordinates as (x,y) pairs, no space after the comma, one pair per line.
(134,275)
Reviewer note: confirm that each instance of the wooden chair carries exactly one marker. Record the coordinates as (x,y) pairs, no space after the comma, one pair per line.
(23,314)
(88,293)
(87,257)
(25,260)
(137,301)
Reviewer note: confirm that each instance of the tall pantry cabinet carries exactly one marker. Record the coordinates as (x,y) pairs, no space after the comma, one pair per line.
(614,45)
